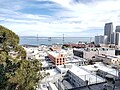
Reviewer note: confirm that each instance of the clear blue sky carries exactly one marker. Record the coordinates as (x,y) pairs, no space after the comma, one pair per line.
(75,18)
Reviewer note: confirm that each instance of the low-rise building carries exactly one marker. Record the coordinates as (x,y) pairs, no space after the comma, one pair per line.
(76,60)
(88,53)
(102,69)
(75,45)
(108,59)
(57,57)
(35,53)
(78,76)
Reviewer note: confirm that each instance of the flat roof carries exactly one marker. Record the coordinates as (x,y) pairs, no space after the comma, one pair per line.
(52,72)
(101,66)
(75,59)
(85,75)
(62,68)
(94,49)
(56,53)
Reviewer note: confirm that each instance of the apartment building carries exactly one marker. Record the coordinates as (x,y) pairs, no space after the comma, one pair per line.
(58,58)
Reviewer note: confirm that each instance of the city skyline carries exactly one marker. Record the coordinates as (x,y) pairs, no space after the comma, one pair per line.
(74,18)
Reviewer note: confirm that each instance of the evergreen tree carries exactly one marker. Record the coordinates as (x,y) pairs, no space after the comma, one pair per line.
(16,74)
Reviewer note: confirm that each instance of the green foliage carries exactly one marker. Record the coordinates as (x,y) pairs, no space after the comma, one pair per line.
(9,40)
(16,73)
(26,76)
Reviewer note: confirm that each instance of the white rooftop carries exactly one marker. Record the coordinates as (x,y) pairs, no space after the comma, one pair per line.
(74,59)
(81,73)
(52,72)
(62,68)
(102,67)
(85,75)
(56,53)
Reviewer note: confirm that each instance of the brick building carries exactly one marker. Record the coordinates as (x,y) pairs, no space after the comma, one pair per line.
(58,58)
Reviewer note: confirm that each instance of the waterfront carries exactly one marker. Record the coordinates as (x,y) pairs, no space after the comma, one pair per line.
(52,40)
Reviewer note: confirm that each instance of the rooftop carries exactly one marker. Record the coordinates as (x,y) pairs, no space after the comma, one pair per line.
(101,66)
(57,53)
(85,75)
(94,49)
(52,72)
(98,86)
(75,59)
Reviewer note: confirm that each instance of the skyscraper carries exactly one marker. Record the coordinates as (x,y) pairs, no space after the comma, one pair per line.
(100,39)
(108,30)
(117,39)
(117,29)
(113,38)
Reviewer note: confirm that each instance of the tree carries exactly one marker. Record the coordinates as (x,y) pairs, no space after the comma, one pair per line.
(16,73)
(9,40)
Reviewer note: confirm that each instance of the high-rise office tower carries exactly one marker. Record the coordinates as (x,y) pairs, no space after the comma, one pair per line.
(108,30)
(100,39)
(117,39)
(117,29)
(113,38)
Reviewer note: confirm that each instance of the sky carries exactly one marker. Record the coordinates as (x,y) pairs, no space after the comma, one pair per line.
(53,18)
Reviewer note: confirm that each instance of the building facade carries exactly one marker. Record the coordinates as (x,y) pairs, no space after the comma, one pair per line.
(57,58)
(89,53)
(117,29)
(108,30)
(101,39)
(108,59)
(117,39)
(113,38)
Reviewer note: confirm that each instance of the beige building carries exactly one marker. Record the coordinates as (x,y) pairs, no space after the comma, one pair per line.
(108,59)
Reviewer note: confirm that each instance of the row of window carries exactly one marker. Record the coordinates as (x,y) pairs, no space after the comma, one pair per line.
(60,64)
(60,61)
(60,58)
